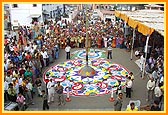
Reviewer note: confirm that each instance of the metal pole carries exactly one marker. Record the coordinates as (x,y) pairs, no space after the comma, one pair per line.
(86,45)
(146,53)
(125,29)
(153,43)
(132,43)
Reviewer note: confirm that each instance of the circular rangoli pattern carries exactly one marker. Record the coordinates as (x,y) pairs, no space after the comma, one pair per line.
(107,76)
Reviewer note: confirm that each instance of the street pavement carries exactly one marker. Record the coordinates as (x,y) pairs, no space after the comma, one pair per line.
(99,103)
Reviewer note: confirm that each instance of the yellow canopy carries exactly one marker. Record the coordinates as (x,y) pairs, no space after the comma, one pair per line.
(139,24)
(124,17)
(145,30)
(132,23)
(117,14)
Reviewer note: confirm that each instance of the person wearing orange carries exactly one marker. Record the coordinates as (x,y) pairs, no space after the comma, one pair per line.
(24,40)
(99,42)
(56,31)
(62,42)
(20,41)
(114,42)
(28,56)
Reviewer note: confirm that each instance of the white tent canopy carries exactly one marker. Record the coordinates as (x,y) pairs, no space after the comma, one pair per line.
(151,18)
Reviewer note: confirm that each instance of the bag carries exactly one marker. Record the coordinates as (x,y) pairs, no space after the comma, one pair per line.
(60,91)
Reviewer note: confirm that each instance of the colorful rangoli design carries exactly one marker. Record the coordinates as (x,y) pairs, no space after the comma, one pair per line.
(93,54)
(107,77)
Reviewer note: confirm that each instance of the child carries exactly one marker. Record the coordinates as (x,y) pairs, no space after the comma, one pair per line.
(132,107)
(45,101)
(21,101)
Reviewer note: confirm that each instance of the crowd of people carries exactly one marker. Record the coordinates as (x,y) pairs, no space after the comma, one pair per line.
(155,69)
(30,49)
(27,52)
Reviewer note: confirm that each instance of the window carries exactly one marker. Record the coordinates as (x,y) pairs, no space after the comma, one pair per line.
(106,7)
(14,5)
(102,7)
(34,20)
(34,5)
(50,14)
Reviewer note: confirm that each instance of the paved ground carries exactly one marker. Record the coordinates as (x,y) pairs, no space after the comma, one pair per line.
(99,103)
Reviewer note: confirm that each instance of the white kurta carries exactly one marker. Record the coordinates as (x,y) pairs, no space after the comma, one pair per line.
(51,91)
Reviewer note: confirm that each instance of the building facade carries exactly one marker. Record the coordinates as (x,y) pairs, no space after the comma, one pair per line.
(7,23)
(103,6)
(25,14)
(154,7)
(52,11)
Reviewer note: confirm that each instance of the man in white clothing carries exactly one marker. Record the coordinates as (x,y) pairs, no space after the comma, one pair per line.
(109,52)
(137,53)
(45,57)
(155,75)
(150,87)
(51,90)
(27,48)
(128,87)
(158,93)
(105,42)
(142,60)
(67,50)
(28,90)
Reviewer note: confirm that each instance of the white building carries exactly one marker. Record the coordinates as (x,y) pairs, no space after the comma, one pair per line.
(153,7)
(55,11)
(25,14)
(7,23)
(106,14)
(51,11)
